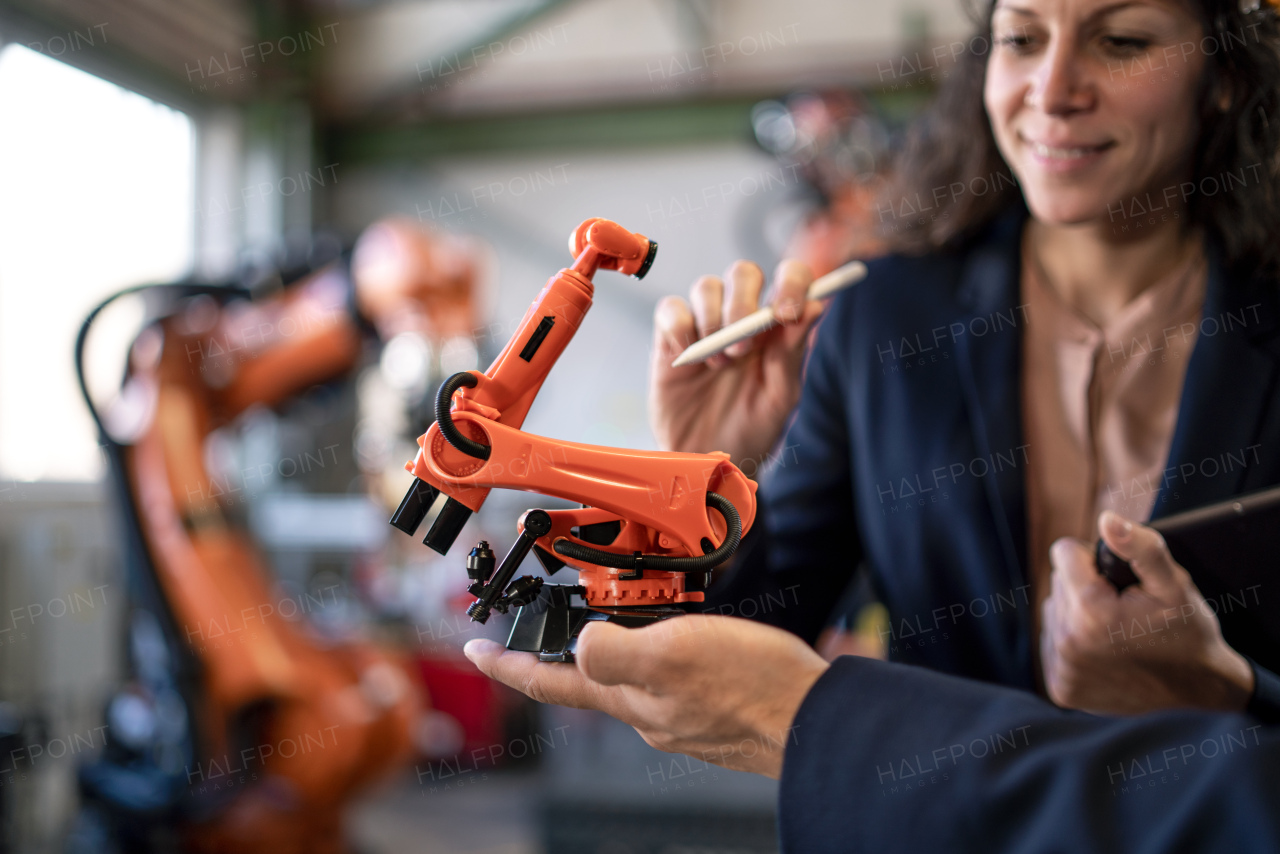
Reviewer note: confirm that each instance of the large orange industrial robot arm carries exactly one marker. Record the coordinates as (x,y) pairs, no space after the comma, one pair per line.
(191,372)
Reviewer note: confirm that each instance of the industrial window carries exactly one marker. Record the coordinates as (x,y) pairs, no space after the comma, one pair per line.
(96,193)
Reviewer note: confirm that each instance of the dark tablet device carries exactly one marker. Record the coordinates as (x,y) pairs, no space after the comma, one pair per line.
(1232,551)
(1217,540)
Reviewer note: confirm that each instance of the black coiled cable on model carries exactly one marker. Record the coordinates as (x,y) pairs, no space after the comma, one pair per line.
(662,563)
(578,551)
(444,401)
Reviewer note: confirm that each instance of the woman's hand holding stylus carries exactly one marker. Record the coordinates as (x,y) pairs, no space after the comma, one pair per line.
(737,401)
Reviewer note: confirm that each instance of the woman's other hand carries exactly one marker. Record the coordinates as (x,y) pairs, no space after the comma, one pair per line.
(1155,645)
(737,401)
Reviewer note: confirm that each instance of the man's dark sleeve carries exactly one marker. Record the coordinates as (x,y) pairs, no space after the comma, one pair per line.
(1264,704)
(886,757)
(803,548)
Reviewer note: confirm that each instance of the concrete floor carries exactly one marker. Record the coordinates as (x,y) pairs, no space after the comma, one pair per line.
(599,789)
(494,816)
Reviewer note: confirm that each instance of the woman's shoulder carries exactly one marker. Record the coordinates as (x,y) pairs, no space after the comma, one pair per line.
(912,302)
(916,285)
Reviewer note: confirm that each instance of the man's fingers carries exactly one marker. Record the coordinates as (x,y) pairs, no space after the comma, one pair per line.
(1145,550)
(707,298)
(546,683)
(483,653)
(791,282)
(743,282)
(611,655)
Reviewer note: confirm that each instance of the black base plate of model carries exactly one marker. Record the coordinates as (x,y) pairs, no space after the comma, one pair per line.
(550,624)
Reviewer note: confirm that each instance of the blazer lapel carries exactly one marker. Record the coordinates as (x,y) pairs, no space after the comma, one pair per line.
(1229,384)
(989,368)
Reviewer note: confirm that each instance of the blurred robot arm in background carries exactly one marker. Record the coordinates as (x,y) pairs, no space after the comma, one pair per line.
(243,729)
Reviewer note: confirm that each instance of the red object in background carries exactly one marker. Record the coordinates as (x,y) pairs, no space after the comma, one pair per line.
(479,704)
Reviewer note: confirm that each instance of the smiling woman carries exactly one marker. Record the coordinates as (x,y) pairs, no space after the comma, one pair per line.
(1126,114)
(1142,135)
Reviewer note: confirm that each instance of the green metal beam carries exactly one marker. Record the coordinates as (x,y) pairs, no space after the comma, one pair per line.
(652,125)
(647,126)
(511,25)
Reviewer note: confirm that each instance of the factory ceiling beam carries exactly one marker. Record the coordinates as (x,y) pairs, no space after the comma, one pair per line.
(392,99)
(101,39)
(641,125)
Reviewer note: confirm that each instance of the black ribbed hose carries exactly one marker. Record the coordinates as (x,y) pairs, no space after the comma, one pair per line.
(444,401)
(663,563)
(577,551)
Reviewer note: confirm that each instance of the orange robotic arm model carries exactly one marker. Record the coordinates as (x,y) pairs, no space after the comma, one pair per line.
(653,524)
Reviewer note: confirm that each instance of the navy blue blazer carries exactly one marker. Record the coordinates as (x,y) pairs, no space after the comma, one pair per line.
(906,456)
(917,761)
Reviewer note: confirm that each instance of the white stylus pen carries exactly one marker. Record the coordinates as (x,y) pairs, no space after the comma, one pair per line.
(759,321)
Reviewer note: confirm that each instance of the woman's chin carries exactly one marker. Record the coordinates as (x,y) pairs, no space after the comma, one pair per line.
(1068,209)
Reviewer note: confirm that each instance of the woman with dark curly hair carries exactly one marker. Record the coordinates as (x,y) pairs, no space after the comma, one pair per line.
(1077,328)
(1226,183)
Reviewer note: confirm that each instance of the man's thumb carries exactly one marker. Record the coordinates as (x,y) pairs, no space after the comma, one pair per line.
(610,655)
